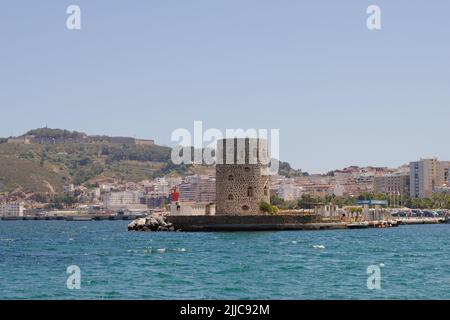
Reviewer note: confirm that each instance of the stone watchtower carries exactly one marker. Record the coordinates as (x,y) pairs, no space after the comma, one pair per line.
(242,179)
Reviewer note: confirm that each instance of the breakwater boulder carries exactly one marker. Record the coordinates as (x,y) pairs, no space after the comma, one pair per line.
(154,222)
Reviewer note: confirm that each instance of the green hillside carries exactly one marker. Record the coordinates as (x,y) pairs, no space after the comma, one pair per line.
(60,157)
(47,167)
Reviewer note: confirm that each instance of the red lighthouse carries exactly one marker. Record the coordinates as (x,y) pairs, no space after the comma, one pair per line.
(175,195)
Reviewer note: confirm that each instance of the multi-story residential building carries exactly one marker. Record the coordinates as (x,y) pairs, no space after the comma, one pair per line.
(11,210)
(426,175)
(318,190)
(443,174)
(115,200)
(161,186)
(187,189)
(206,189)
(154,201)
(198,188)
(395,183)
(422,175)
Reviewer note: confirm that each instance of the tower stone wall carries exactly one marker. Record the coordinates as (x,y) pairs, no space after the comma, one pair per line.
(242,179)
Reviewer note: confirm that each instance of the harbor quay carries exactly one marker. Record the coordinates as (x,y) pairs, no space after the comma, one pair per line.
(253,223)
(71,218)
(281,222)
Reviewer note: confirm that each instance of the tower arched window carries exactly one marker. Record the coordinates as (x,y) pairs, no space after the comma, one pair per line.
(266,191)
(230,197)
(230,177)
(250,192)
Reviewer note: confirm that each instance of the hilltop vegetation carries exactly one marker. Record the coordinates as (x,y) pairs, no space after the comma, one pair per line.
(39,167)
(54,133)
(58,157)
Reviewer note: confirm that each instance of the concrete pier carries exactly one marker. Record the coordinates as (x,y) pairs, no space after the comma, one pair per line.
(252,223)
(410,221)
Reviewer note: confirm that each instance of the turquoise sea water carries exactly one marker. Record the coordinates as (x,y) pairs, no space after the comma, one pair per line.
(116,264)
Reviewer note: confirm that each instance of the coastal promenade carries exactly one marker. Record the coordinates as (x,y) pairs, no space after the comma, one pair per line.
(72,218)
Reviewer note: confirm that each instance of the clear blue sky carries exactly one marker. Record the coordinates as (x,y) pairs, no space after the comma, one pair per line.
(339,93)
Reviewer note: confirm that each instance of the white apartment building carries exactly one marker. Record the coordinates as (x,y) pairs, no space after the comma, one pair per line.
(11,210)
(426,175)
(122,199)
(198,188)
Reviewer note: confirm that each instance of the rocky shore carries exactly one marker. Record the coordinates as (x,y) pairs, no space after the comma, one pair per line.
(155,222)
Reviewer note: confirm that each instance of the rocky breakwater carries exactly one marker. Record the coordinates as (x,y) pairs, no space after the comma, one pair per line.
(154,222)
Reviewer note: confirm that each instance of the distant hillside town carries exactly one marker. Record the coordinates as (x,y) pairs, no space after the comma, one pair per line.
(420,180)
(55,170)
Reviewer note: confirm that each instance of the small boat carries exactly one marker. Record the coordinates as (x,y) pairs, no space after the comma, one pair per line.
(129,217)
(394,223)
(75,218)
(358,225)
(11,218)
(82,219)
(101,218)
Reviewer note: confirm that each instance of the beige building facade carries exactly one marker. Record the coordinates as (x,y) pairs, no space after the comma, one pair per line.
(426,175)
(396,183)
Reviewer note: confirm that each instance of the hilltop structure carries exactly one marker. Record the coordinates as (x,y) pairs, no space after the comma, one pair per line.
(242,179)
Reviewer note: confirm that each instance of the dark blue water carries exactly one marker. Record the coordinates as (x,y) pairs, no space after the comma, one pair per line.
(116,264)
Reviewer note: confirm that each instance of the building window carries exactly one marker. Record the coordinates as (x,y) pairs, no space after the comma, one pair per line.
(245,208)
(247,169)
(230,177)
(230,197)
(266,191)
(250,192)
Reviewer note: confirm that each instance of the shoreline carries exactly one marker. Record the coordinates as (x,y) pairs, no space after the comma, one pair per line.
(230,223)
(71,218)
